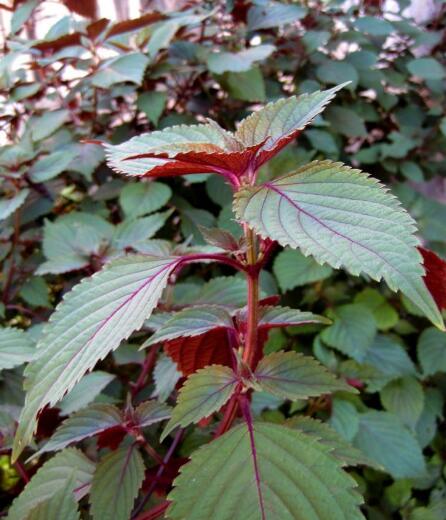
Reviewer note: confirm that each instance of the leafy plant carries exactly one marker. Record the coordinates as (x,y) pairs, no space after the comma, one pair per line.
(338,215)
(113,175)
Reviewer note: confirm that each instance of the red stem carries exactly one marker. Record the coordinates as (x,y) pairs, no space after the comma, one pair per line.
(155,512)
(216,257)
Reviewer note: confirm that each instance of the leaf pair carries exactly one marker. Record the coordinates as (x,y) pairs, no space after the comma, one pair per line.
(207,148)
(287,375)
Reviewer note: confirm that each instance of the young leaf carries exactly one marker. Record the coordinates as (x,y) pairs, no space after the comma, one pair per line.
(140,198)
(180,150)
(204,392)
(51,478)
(192,322)
(405,398)
(116,483)
(383,438)
(61,505)
(295,376)
(278,123)
(151,412)
(191,354)
(276,316)
(220,238)
(16,348)
(92,321)
(345,218)
(268,472)
(83,424)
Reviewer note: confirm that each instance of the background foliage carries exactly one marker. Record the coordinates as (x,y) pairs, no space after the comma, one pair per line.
(64,214)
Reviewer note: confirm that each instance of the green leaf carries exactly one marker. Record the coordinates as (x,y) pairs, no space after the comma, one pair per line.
(383,438)
(204,393)
(341,450)
(374,26)
(45,125)
(294,376)
(335,72)
(16,348)
(116,483)
(238,61)
(92,321)
(52,477)
(131,233)
(192,322)
(247,86)
(405,398)
(283,118)
(344,418)
(345,121)
(431,350)
(385,315)
(161,37)
(141,198)
(36,292)
(21,14)
(150,412)
(8,206)
(352,332)
(426,68)
(272,472)
(128,68)
(51,165)
(345,218)
(293,269)
(85,391)
(220,238)
(61,505)
(165,376)
(152,104)
(277,316)
(273,14)
(83,424)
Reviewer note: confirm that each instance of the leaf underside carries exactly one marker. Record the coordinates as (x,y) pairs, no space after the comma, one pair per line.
(345,218)
(91,321)
(297,478)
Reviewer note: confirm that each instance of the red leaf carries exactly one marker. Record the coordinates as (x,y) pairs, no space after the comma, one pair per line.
(87,8)
(266,154)
(435,277)
(111,438)
(191,354)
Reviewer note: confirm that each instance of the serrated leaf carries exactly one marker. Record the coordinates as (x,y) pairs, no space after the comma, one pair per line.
(51,165)
(60,505)
(192,322)
(293,269)
(279,122)
(385,315)
(152,104)
(180,150)
(51,478)
(116,483)
(292,375)
(344,418)
(166,376)
(138,199)
(8,206)
(43,126)
(272,472)
(204,392)
(16,348)
(151,412)
(345,218)
(92,321)
(277,316)
(352,332)
(192,353)
(220,238)
(83,424)
(383,438)
(405,398)
(342,450)
(431,351)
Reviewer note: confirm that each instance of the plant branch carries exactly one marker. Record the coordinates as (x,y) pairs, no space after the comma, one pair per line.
(159,473)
